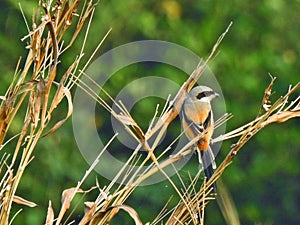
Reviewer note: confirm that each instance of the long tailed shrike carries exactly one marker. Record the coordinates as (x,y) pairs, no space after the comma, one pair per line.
(197,121)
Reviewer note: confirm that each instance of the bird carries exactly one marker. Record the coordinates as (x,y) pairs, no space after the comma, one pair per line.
(197,121)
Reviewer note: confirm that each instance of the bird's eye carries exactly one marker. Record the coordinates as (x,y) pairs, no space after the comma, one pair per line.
(201,95)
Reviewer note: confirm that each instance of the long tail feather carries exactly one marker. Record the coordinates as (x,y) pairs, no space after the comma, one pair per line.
(208,164)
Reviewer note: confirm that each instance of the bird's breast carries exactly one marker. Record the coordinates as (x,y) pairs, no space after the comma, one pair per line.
(197,112)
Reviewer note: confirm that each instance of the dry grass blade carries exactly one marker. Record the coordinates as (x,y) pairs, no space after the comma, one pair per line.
(21,201)
(266,103)
(163,213)
(66,198)
(114,210)
(131,212)
(50,215)
(89,212)
(66,92)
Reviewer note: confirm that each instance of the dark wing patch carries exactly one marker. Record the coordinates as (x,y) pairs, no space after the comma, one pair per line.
(207,121)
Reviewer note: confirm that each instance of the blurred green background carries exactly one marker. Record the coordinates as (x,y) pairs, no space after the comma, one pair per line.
(263,179)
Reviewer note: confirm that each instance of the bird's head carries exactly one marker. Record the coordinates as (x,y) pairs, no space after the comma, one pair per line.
(202,93)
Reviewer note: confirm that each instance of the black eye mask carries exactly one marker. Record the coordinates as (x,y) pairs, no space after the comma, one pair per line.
(205,94)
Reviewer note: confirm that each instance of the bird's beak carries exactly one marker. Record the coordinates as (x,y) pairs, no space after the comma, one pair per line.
(216,95)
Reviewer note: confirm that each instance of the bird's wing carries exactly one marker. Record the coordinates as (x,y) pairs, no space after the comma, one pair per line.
(195,128)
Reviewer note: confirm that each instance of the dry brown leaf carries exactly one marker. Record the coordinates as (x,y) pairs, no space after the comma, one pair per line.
(266,103)
(89,206)
(36,101)
(21,201)
(68,195)
(66,198)
(281,117)
(50,215)
(67,93)
(89,212)
(97,218)
(131,212)
(126,120)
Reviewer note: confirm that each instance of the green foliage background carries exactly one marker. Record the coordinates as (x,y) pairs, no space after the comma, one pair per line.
(264,178)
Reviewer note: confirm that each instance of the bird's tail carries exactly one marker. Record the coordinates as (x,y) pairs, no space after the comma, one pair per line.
(207,159)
